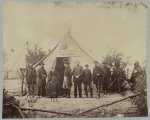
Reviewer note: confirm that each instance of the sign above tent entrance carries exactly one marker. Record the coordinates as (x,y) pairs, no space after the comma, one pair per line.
(68,53)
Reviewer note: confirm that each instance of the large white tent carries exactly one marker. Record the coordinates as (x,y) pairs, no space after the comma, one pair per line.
(67,47)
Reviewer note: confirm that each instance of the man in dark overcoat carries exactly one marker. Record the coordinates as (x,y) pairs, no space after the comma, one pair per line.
(41,79)
(77,79)
(31,78)
(137,71)
(87,80)
(106,77)
(98,77)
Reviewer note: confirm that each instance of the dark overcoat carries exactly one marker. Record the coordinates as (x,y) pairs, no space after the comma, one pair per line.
(87,76)
(53,86)
(97,74)
(31,76)
(41,77)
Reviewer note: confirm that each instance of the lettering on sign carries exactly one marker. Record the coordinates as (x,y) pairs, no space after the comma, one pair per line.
(68,53)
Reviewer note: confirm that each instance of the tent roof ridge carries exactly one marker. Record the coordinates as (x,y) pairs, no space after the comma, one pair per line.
(60,43)
(81,48)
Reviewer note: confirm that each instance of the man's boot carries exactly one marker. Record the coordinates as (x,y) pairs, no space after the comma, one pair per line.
(87,95)
(64,92)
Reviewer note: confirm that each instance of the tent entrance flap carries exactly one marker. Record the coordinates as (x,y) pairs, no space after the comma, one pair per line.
(60,67)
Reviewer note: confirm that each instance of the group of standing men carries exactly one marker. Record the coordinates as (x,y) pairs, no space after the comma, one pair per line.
(100,77)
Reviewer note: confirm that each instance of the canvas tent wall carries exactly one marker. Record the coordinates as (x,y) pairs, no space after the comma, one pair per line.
(67,47)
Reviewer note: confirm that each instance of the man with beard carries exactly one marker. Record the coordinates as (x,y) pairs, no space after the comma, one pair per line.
(41,80)
(31,78)
(77,79)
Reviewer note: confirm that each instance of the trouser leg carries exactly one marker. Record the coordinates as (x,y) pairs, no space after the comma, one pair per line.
(99,88)
(79,89)
(106,84)
(96,86)
(39,90)
(104,87)
(75,89)
(68,93)
(85,89)
(43,91)
(33,89)
(29,88)
(107,87)
(91,89)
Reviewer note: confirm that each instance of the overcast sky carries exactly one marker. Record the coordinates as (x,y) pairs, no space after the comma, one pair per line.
(96,27)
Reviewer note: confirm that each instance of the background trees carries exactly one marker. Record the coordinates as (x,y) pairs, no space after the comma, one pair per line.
(34,55)
(116,58)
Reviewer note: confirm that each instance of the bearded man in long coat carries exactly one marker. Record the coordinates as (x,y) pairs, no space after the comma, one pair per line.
(41,80)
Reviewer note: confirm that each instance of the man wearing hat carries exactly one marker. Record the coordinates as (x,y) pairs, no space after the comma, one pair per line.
(97,77)
(106,77)
(41,79)
(137,71)
(67,79)
(87,80)
(77,79)
(31,78)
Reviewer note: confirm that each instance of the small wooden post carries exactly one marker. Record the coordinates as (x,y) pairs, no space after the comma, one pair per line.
(22,79)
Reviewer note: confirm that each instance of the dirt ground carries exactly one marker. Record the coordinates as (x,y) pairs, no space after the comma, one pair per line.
(75,105)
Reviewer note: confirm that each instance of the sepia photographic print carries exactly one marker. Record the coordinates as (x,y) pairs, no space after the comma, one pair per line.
(74,59)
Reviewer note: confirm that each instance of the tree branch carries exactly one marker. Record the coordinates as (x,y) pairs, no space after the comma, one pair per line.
(48,111)
(105,105)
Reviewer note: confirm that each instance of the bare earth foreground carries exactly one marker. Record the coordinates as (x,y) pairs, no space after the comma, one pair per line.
(74,105)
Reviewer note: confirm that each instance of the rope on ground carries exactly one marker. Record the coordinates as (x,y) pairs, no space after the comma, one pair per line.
(105,105)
